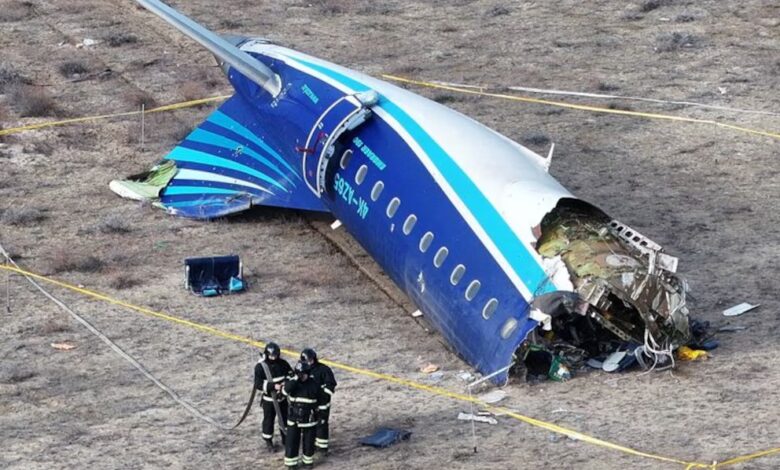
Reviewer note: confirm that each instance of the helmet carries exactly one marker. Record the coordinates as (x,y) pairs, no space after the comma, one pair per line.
(271,349)
(309,355)
(302,367)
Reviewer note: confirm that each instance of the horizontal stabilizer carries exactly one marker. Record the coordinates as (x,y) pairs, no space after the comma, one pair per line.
(227,165)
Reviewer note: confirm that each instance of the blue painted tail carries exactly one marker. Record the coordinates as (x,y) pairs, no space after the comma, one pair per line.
(229,163)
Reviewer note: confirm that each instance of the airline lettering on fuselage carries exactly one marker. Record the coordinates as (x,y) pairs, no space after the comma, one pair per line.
(374,158)
(310,94)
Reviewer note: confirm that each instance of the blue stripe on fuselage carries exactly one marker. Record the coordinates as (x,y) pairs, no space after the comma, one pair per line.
(512,248)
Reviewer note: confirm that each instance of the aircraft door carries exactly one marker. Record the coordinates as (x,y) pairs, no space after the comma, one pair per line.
(343,115)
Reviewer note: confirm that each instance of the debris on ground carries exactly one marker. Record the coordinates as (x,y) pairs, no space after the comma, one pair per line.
(435,377)
(64,346)
(214,275)
(492,397)
(736,310)
(429,369)
(479,418)
(466,376)
(684,353)
(385,437)
(87,42)
(731,328)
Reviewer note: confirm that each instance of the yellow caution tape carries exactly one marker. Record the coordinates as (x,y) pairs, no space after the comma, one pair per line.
(160,109)
(471,91)
(433,390)
(581,107)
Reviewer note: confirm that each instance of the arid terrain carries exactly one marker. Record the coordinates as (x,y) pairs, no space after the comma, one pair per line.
(702,191)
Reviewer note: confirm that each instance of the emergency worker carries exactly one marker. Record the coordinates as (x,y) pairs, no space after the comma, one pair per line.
(270,383)
(323,375)
(303,393)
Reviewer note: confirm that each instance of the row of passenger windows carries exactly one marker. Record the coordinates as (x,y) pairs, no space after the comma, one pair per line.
(425,243)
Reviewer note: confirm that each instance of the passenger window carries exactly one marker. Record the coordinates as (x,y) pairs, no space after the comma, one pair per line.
(441,255)
(490,308)
(509,327)
(392,207)
(345,158)
(409,224)
(425,241)
(377,190)
(360,176)
(472,289)
(457,274)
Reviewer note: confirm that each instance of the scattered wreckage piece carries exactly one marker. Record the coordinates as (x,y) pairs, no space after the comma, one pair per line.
(385,437)
(737,310)
(479,418)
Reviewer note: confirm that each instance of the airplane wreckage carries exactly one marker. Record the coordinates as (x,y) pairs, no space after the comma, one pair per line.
(499,257)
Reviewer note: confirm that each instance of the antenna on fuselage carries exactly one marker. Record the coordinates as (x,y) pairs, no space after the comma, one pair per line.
(548,160)
(230,54)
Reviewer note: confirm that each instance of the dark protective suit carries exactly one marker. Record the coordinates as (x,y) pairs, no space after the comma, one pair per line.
(280,371)
(302,397)
(323,375)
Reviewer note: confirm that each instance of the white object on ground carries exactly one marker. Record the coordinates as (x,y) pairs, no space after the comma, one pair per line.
(612,362)
(481,419)
(336,224)
(492,397)
(739,309)
(466,376)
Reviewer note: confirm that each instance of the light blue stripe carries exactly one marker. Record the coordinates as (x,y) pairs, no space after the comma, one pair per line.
(194,156)
(223,120)
(180,190)
(209,138)
(515,252)
(197,202)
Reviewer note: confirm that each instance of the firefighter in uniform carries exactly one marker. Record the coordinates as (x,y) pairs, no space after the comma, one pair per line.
(303,393)
(280,371)
(323,375)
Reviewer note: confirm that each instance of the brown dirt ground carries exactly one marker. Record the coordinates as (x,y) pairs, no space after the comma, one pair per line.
(703,192)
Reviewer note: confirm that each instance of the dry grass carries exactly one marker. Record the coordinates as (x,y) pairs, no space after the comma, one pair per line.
(498,10)
(22,216)
(10,77)
(14,11)
(192,90)
(676,41)
(52,326)
(31,101)
(64,260)
(535,138)
(123,281)
(16,375)
(650,5)
(331,7)
(136,98)
(118,39)
(114,223)
(3,118)
(73,69)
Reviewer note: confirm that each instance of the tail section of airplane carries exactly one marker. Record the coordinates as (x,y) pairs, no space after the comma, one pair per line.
(228,164)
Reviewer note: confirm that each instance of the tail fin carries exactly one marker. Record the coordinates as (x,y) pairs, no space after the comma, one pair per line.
(228,164)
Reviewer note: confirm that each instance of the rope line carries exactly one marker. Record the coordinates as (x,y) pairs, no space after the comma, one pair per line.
(433,390)
(457,88)
(116,348)
(547,91)
(159,109)
(581,107)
